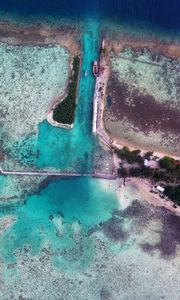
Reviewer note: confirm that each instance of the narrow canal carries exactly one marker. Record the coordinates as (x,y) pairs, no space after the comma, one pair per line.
(73,149)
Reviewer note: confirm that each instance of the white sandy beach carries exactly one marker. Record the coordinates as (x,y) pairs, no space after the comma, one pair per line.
(136,189)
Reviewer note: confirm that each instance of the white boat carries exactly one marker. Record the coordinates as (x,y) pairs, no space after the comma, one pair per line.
(85,73)
(95,68)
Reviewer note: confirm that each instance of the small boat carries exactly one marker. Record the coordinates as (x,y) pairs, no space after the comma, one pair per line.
(95,68)
(85,73)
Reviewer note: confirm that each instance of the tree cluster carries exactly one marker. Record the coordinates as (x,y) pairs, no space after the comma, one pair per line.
(173,192)
(65,110)
(168,163)
(130,156)
(147,172)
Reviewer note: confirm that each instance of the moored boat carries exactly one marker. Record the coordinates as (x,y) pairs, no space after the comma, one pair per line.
(85,73)
(95,68)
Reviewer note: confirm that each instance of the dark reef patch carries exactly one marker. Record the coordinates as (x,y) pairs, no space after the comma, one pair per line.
(142,214)
(113,229)
(169,235)
(143,111)
(45,182)
(135,210)
(105,294)
(139,216)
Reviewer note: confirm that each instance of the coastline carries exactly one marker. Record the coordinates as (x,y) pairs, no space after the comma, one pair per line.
(156,46)
(49,38)
(120,144)
(63,96)
(57,100)
(114,121)
(99,96)
(141,191)
(137,189)
(42,35)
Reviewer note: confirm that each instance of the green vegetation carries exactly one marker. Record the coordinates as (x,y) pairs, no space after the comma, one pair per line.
(168,170)
(104,50)
(155,174)
(173,192)
(122,172)
(148,155)
(168,163)
(65,111)
(131,156)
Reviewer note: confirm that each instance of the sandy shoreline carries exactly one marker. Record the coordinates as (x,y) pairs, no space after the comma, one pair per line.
(137,189)
(117,143)
(143,194)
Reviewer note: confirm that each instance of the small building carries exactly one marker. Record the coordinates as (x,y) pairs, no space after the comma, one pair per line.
(153,164)
(160,188)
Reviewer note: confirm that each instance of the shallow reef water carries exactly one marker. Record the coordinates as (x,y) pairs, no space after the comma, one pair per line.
(151,74)
(70,238)
(107,256)
(144,93)
(31,76)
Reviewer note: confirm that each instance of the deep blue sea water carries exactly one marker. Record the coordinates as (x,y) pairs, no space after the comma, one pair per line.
(160,13)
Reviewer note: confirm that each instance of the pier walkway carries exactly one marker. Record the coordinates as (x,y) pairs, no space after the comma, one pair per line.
(59,174)
(98,102)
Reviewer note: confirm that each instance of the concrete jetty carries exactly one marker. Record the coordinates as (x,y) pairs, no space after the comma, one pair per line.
(99,97)
(59,174)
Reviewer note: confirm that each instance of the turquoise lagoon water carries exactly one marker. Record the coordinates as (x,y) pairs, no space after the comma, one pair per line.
(61,210)
(75,202)
(74,149)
